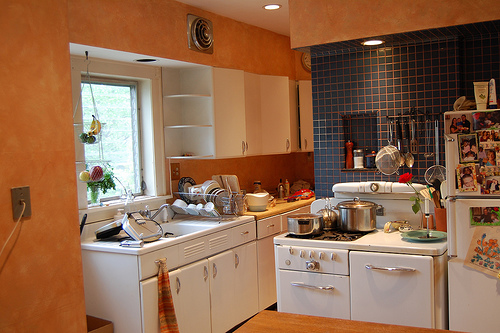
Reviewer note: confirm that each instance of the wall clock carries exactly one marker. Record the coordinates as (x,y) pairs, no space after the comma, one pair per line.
(306,61)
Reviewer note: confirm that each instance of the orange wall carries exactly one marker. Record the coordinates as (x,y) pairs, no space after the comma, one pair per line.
(41,285)
(158,28)
(314,22)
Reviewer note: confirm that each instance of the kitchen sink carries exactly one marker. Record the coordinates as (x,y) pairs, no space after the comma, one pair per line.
(177,229)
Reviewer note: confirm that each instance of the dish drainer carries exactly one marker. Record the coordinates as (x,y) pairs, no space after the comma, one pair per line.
(225,203)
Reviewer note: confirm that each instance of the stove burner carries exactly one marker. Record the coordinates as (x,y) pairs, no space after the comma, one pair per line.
(334,235)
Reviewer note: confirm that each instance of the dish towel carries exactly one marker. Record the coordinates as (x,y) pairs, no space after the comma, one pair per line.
(166,311)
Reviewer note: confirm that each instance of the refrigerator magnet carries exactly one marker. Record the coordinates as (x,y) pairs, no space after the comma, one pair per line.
(468,147)
(466,177)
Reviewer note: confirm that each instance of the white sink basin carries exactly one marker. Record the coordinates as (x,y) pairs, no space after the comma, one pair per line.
(180,229)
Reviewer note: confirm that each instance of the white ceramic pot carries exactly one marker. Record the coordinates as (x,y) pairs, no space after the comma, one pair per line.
(257,202)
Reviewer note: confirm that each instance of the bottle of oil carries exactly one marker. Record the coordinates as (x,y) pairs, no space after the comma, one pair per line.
(281,189)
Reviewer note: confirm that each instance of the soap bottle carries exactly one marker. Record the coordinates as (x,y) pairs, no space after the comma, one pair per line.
(119,214)
(287,188)
(281,189)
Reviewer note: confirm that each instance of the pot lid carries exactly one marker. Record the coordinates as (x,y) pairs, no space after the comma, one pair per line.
(356,204)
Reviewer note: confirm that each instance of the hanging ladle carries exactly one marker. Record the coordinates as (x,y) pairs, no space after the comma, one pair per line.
(408,156)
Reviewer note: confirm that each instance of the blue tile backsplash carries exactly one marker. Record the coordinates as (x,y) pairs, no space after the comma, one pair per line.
(419,74)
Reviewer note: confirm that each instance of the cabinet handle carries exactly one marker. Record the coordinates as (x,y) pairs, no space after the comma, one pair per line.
(214,274)
(236,260)
(205,273)
(242,147)
(396,269)
(308,286)
(271,225)
(287,144)
(177,285)
(305,144)
(246,146)
(245,232)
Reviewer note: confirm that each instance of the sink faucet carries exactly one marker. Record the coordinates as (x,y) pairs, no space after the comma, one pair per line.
(147,213)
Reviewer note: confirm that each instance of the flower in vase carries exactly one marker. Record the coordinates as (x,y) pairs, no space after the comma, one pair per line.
(406,179)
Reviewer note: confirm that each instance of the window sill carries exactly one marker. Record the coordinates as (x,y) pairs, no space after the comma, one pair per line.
(110,208)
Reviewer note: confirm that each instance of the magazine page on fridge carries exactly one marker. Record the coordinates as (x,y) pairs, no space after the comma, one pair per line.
(472,150)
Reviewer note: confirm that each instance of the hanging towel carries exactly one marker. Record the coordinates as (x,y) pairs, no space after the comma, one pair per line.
(166,311)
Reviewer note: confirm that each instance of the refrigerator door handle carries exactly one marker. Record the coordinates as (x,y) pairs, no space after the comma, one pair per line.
(451,237)
(449,138)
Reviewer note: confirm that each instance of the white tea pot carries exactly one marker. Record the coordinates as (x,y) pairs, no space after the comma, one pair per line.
(257,202)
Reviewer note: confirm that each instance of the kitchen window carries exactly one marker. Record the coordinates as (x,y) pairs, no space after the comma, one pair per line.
(118,143)
(140,149)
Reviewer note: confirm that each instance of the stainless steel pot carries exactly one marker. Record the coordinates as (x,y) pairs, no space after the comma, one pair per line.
(329,218)
(305,224)
(357,215)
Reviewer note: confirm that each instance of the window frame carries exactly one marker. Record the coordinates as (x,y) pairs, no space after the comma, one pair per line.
(149,99)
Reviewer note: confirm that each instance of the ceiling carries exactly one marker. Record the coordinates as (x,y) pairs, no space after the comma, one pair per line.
(249,11)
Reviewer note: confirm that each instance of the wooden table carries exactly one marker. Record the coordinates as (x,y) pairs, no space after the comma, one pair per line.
(277,322)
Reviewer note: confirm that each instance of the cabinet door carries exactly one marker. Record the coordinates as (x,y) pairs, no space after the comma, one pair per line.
(229,112)
(306,116)
(222,285)
(190,294)
(246,300)
(275,114)
(253,114)
(266,272)
(392,296)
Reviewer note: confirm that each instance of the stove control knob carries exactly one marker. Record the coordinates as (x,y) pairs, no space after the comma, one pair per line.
(333,256)
(312,265)
(290,250)
(321,255)
(288,262)
(311,254)
(302,253)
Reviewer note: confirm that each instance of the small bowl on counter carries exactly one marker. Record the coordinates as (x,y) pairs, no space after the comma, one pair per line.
(257,202)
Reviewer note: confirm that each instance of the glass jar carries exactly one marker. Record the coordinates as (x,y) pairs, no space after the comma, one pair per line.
(359,156)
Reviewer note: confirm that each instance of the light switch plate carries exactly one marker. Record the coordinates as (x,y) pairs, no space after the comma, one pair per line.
(20,194)
(175,171)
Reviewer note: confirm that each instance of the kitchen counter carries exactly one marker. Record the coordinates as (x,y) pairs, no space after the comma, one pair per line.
(281,207)
(273,321)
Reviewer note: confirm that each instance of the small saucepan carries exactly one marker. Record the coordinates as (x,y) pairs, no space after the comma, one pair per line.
(305,224)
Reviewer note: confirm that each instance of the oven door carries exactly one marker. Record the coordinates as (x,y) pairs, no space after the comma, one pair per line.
(316,294)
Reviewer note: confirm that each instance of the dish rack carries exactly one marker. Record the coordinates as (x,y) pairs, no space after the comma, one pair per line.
(225,203)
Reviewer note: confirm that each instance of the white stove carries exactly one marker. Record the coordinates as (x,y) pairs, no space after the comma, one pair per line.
(378,277)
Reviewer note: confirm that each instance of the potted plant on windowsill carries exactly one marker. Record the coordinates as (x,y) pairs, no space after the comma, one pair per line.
(96,188)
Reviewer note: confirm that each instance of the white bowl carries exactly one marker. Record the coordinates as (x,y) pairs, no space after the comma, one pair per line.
(257,202)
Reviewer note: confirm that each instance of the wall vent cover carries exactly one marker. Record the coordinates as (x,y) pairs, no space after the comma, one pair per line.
(200,34)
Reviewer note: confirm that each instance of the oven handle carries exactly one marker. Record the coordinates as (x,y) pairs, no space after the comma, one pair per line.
(396,269)
(302,285)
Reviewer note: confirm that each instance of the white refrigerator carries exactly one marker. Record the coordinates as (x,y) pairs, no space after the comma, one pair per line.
(472,196)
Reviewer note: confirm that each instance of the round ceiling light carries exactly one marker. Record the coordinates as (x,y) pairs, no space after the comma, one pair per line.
(272,6)
(373,42)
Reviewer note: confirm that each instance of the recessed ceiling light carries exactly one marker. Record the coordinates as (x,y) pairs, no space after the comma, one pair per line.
(272,6)
(145,60)
(372,42)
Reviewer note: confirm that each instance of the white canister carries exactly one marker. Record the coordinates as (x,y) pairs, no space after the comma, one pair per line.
(359,156)
(481,94)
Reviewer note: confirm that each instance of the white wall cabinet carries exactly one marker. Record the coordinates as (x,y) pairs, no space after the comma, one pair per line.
(306,116)
(204,112)
(275,114)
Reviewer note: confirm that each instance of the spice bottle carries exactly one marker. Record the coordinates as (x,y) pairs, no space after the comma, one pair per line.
(287,188)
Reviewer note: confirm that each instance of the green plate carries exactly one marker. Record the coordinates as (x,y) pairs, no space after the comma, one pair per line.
(420,236)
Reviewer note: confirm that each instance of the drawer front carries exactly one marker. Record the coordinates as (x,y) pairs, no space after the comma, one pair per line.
(297,258)
(314,294)
(244,233)
(148,267)
(268,227)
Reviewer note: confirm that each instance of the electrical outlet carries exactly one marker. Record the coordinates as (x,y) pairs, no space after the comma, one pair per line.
(175,171)
(20,195)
